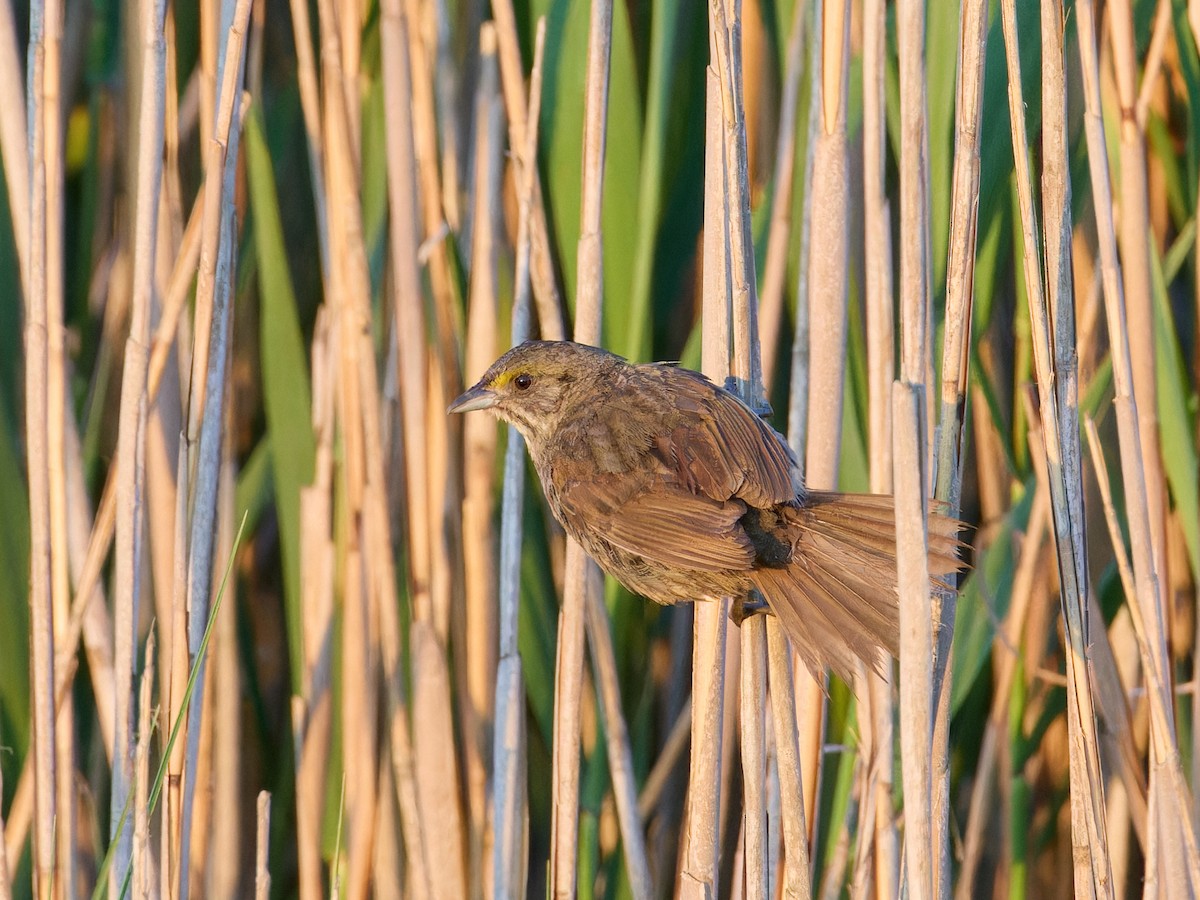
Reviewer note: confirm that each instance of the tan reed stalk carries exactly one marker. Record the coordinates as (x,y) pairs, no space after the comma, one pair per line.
(141,857)
(1053,342)
(218,868)
(753,701)
(583,589)
(437,764)
(520,120)
(588,317)
(509,804)
(779,233)
(921,853)
(699,852)
(876,714)
(37,324)
(425,142)
(412,377)
(262,834)
(65,872)
(14,147)
(312,709)
(84,618)
(827,279)
(960,297)
(175,659)
(214,296)
(479,457)
(130,520)
(1134,240)
(725,17)
(797,872)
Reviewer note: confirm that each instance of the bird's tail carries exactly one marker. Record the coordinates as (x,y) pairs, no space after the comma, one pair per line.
(837,598)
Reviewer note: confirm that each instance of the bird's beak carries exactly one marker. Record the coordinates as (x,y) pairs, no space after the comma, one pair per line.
(477,397)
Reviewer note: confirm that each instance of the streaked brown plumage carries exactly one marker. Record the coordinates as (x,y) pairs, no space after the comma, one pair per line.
(677,489)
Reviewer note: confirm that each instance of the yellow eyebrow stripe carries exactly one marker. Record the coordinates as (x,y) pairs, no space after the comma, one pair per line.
(502,379)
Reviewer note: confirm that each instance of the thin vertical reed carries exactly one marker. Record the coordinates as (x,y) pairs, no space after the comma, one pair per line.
(876,714)
(520,120)
(37,324)
(214,296)
(1155,662)
(916,642)
(130,520)
(262,833)
(583,587)
(779,233)
(1089,837)
(509,860)
(14,146)
(699,853)
(141,857)
(479,456)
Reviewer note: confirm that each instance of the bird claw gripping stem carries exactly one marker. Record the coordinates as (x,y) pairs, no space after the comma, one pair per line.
(750,604)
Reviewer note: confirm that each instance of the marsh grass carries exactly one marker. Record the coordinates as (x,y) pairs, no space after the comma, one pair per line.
(249,251)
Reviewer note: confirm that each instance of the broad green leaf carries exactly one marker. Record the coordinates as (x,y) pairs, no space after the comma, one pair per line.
(286,396)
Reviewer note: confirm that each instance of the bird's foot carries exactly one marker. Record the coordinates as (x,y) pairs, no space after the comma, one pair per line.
(751,604)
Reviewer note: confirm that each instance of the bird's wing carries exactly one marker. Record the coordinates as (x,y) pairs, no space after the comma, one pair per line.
(663,523)
(717,447)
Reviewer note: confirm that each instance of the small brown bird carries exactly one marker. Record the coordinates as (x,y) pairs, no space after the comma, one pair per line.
(679,491)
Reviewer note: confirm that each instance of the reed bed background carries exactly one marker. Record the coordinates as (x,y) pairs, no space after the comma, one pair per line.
(272,623)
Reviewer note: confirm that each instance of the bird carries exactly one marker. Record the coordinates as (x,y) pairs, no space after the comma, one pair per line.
(680,491)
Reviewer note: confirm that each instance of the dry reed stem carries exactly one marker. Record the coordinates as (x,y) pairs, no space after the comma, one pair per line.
(479,455)
(219,863)
(53,153)
(437,764)
(828,254)
(1134,241)
(877,724)
(922,857)
(1059,421)
(583,588)
(754,755)
(960,267)
(699,852)
(14,147)
(678,738)
(262,834)
(425,144)
(520,120)
(411,375)
(214,296)
(797,877)
(407,299)
(725,36)
(1164,750)
(312,709)
(37,324)
(620,756)
(960,296)
(141,857)
(778,236)
(130,520)
(510,850)
(828,277)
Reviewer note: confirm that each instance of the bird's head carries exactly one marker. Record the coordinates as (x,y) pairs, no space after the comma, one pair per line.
(535,385)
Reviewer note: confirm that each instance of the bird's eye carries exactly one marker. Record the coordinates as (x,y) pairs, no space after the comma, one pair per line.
(523,382)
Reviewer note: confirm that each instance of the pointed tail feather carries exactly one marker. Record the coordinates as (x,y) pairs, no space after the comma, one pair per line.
(837,598)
